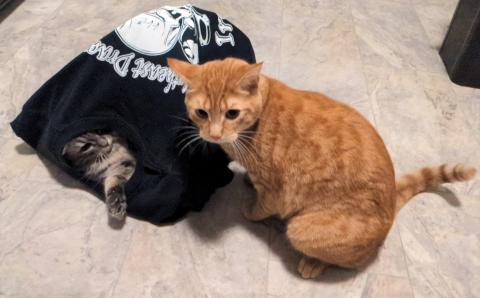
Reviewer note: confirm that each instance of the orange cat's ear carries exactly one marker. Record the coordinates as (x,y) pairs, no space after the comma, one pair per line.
(249,80)
(185,70)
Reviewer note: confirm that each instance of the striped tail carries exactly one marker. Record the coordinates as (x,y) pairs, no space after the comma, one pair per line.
(411,184)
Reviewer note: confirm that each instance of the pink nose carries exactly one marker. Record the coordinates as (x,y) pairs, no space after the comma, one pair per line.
(216,138)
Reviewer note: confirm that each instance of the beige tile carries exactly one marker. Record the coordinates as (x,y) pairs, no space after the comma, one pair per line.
(391,257)
(215,253)
(35,62)
(99,17)
(24,21)
(380,286)
(380,56)
(57,243)
(319,52)
(390,34)
(261,21)
(438,234)
(435,17)
(421,119)
(284,281)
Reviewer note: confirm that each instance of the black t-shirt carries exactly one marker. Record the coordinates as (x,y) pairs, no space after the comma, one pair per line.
(122,83)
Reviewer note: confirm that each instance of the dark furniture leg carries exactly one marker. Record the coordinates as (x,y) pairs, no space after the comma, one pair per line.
(461,48)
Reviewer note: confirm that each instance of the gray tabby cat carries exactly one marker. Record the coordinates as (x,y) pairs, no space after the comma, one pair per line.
(104,158)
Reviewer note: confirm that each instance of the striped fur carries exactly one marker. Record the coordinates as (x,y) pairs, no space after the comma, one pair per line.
(314,162)
(411,184)
(106,159)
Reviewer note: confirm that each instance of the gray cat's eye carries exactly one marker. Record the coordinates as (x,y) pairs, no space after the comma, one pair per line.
(201,114)
(232,114)
(85,147)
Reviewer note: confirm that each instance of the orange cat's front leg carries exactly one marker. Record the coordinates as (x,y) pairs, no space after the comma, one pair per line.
(257,210)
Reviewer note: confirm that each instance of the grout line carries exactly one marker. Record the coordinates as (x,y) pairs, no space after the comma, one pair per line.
(373,104)
(282,19)
(404,257)
(270,227)
(34,32)
(122,264)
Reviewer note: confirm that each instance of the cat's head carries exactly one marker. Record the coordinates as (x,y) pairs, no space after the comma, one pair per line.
(89,148)
(223,97)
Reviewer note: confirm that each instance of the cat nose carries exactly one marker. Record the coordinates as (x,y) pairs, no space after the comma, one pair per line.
(216,137)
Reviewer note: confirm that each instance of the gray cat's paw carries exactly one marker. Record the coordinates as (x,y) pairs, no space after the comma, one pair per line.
(116,202)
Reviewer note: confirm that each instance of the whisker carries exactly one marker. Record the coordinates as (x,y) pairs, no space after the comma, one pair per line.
(183,127)
(187,138)
(252,140)
(243,152)
(180,118)
(186,132)
(242,158)
(248,137)
(237,152)
(250,151)
(252,131)
(190,142)
(199,143)
(247,154)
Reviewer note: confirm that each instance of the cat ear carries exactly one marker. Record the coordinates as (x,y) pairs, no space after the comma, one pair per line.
(186,71)
(249,80)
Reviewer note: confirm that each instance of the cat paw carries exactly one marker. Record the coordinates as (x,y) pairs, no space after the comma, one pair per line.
(310,268)
(116,203)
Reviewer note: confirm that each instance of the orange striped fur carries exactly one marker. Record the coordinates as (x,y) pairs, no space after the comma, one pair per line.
(411,184)
(314,162)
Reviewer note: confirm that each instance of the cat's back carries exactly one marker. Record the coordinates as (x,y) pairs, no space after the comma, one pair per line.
(305,106)
(309,124)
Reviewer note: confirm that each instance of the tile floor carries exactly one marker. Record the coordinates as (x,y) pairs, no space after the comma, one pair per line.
(381,56)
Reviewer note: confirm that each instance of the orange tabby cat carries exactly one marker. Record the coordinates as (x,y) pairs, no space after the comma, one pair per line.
(313,161)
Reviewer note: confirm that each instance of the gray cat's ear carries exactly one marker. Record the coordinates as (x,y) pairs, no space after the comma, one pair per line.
(186,71)
(248,82)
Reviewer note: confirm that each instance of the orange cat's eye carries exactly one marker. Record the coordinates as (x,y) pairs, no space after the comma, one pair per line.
(202,114)
(232,114)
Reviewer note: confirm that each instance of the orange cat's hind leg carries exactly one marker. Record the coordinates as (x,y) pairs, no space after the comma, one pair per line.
(310,268)
(334,238)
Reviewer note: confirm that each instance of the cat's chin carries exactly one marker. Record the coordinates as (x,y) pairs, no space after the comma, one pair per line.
(223,141)
(218,142)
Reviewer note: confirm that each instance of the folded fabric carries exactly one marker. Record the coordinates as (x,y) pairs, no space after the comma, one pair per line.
(122,83)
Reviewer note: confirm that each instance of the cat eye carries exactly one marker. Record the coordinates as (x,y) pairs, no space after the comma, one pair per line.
(232,114)
(85,147)
(202,114)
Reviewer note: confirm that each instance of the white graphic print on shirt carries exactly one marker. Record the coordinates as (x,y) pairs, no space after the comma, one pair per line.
(156,33)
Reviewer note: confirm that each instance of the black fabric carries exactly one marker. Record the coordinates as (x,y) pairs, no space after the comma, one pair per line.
(460,50)
(122,83)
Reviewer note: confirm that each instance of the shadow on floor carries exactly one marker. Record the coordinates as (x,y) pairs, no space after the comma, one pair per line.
(6,8)
(446,194)
(67,181)
(223,212)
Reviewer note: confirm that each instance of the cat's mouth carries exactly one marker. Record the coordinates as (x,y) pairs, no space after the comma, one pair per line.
(220,140)
(217,141)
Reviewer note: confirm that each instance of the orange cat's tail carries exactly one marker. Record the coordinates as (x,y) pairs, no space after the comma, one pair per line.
(411,184)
